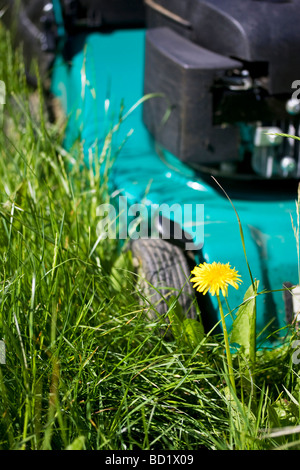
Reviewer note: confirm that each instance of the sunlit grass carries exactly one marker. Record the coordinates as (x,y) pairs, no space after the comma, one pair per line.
(84,368)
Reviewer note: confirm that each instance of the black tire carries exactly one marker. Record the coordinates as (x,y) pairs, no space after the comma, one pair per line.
(165,267)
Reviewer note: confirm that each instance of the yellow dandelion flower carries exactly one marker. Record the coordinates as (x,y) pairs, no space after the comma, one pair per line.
(215,277)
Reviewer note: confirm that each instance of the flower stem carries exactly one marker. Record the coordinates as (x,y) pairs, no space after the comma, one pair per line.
(227,348)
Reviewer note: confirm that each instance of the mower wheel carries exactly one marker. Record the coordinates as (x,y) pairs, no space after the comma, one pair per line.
(164,273)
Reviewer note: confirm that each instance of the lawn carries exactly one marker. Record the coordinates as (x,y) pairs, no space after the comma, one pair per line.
(84,369)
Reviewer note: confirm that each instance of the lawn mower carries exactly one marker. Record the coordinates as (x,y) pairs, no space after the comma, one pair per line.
(197,93)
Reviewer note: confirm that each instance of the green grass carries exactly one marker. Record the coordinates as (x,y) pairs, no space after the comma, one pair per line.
(84,369)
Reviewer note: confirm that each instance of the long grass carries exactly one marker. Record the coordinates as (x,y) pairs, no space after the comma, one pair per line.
(84,369)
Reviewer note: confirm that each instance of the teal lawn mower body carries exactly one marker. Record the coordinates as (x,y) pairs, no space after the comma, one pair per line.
(105,71)
(108,71)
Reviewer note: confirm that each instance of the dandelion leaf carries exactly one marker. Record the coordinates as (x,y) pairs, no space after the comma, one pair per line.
(193,332)
(187,330)
(241,332)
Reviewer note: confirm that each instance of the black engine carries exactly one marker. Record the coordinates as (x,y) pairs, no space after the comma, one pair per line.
(229,70)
